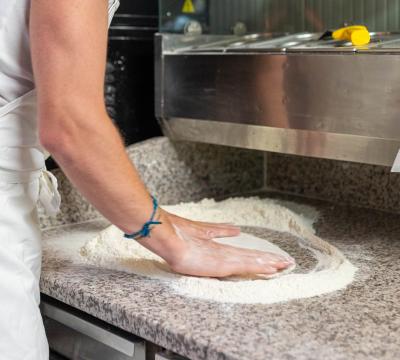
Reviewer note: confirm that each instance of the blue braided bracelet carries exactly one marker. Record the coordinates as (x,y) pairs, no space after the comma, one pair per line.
(145,231)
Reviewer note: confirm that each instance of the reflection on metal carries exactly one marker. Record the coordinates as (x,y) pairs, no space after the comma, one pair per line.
(291,94)
(281,43)
(192,27)
(179,44)
(239,28)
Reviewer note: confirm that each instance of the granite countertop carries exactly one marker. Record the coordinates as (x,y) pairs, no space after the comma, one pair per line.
(359,322)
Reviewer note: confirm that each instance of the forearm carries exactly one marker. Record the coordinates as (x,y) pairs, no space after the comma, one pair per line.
(96,163)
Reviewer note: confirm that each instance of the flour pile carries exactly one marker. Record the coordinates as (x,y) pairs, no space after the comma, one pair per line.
(333,271)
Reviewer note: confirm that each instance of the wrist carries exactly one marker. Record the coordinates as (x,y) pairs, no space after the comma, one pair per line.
(149,224)
(164,240)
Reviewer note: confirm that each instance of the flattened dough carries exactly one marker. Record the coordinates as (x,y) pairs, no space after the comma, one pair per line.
(111,250)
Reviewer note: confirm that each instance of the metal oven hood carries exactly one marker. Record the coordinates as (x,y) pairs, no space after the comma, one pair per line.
(283,93)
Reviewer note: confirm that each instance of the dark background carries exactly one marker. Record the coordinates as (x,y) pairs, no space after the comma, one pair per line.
(140,7)
(129,87)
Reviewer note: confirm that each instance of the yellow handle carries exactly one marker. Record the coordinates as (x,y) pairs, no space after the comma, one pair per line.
(357,34)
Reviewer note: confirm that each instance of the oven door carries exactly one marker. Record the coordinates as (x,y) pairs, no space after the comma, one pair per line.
(76,335)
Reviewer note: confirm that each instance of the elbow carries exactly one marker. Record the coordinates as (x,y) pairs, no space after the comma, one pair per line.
(65,129)
(54,143)
(57,133)
(58,144)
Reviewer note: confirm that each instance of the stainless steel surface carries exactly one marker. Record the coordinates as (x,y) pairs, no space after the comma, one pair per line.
(210,43)
(78,338)
(297,142)
(276,43)
(326,104)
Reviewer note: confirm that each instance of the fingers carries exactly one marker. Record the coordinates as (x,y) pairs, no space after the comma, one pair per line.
(256,265)
(272,260)
(256,262)
(267,257)
(278,264)
(253,268)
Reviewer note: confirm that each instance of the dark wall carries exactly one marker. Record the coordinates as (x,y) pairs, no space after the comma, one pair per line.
(129,89)
(138,7)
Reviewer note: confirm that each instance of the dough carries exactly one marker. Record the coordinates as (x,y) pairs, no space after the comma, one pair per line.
(332,271)
(111,250)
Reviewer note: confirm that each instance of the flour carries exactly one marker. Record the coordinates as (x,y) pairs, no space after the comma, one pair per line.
(332,272)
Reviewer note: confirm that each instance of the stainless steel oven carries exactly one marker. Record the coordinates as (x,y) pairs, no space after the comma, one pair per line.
(282,88)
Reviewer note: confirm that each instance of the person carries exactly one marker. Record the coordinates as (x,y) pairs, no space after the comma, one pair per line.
(52,65)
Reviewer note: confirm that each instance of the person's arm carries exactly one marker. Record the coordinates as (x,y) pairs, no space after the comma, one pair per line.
(68,46)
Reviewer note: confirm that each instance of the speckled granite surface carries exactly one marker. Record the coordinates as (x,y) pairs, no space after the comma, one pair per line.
(173,171)
(360,322)
(337,181)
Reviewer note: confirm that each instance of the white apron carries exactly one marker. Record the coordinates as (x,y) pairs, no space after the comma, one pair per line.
(24,181)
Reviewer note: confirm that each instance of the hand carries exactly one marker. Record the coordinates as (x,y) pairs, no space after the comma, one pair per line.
(196,254)
(203,230)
